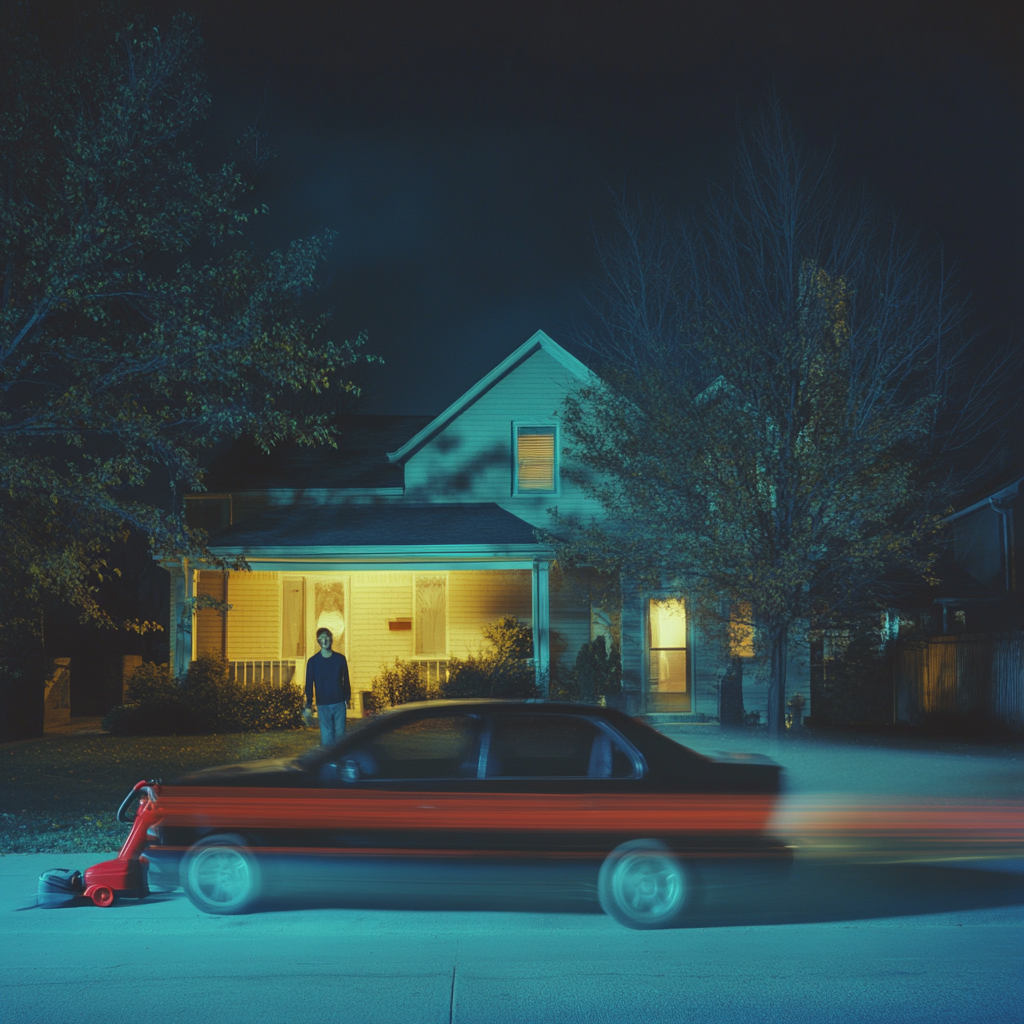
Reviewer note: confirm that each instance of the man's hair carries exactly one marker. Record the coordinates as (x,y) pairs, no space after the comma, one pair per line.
(323,629)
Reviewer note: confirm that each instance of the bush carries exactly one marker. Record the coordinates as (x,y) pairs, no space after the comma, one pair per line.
(399,685)
(208,702)
(596,674)
(489,676)
(150,683)
(503,671)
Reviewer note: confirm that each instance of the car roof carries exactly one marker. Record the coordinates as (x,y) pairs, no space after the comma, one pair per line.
(501,706)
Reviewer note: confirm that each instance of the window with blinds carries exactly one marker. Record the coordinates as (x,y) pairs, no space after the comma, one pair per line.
(535,460)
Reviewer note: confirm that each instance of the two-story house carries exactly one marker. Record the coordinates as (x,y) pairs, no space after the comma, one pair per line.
(414,534)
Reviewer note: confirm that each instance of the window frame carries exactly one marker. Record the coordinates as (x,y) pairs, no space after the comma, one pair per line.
(553,426)
(649,649)
(480,727)
(447,619)
(486,732)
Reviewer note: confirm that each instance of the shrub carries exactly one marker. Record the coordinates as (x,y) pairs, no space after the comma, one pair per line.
(502,671)
(509,639)
(489,676)
(150,682)
(208,702)
(401,684)
(596,674)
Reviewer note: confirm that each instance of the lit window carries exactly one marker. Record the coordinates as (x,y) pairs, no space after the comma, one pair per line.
(535,459)
(741,631)
(431,617)
(667,625)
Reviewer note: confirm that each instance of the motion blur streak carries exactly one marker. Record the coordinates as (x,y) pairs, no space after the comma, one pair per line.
(891,828)
(654,813)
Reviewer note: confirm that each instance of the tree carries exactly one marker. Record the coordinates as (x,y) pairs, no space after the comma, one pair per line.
(784,392)
(137,330)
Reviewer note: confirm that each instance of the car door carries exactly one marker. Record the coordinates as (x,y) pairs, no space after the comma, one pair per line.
(403,800)
(550,776)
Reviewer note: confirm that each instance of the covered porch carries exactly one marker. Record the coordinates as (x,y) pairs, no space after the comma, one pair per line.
(424,597)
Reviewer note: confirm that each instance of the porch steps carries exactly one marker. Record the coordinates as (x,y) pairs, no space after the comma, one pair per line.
(679,724)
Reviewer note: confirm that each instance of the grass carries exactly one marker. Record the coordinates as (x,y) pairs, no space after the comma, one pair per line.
(61,795)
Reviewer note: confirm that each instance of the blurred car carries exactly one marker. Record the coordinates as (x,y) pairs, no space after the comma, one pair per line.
(451,792)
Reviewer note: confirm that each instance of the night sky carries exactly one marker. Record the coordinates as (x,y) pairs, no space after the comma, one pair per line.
(467,152)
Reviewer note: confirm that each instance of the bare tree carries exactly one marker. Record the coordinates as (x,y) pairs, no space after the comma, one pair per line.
(786,389)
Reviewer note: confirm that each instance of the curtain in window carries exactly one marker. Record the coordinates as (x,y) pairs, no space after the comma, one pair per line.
(293,617)
(330,610)
(431,616)
(668,645)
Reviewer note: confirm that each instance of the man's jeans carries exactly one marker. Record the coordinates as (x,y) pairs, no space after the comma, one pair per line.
(332,722)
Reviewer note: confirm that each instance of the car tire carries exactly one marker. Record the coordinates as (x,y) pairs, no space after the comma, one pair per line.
(220,875)
(642,884)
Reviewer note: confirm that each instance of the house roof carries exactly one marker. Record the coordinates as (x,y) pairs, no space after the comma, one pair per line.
(538,342)
(379,525)
(1006,487)
(359,461)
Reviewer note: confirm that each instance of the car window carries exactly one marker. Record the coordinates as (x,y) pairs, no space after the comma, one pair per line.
(559,746)
(438,747)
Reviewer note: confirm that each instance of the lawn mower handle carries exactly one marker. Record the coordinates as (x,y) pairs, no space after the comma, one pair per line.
(129,799)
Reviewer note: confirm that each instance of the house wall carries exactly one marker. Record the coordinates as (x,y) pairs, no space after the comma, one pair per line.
(254,622)
(471,459)
(475,599)
(376,597)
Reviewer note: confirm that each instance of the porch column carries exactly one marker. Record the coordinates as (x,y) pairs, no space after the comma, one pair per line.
(633,648)
(541,626)
(182,579)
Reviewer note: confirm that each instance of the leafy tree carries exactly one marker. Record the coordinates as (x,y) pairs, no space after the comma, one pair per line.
(783,396)
(137,329)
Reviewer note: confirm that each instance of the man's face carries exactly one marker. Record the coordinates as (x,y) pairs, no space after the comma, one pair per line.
(324,641)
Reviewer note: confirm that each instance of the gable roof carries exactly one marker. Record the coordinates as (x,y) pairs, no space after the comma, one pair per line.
(538,342)
(359,461)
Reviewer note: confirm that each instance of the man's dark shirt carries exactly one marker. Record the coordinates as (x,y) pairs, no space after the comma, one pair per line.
(330,678)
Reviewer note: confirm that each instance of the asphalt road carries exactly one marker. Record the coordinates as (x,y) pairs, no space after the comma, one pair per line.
(835,942)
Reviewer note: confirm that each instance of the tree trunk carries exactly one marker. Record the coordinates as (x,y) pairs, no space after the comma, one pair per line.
(730,708)
(777,682)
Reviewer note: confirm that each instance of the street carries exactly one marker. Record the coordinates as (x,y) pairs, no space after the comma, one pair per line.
(845,938)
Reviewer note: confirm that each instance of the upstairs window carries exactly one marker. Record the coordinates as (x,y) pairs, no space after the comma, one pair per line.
(536,472)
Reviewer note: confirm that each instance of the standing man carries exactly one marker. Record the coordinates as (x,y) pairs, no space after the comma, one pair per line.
(327,677)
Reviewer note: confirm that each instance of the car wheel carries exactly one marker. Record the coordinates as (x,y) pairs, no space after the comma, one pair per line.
(642,884)
(220,875)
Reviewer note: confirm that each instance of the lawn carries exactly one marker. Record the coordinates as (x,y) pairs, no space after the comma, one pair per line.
(61,795)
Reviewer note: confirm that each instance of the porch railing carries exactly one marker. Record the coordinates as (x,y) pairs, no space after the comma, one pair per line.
(248,673)
(433,672)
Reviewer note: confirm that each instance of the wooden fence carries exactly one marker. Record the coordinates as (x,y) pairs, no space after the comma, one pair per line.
(978,676)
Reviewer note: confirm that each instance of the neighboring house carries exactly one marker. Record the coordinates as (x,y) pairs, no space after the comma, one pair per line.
(961,656)
(978,586)
(417,532)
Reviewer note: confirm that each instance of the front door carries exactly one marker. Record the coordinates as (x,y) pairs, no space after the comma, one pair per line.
(668,669)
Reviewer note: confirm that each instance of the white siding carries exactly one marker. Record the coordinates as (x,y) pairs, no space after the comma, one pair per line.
(471,459)
(254,622)
(376,597)
(476,599)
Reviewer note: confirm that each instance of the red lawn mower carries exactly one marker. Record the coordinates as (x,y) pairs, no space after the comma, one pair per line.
(112,879)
